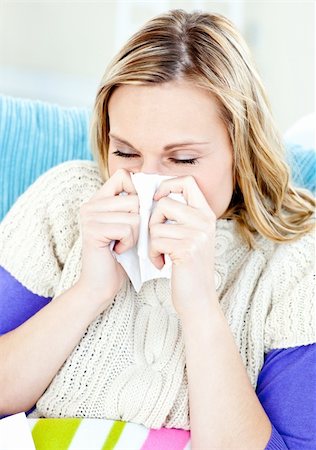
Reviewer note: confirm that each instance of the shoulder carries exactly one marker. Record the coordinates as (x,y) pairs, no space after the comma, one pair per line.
(291,272)
(287,262)
(62,188)
(77,175)
(55,197)
(67,185)
(74,181)
(42,225)
(293,260)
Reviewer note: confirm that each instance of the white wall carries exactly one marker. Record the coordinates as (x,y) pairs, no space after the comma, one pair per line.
(58,50)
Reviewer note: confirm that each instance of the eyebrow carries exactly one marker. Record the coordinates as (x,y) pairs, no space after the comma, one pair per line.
(165,148)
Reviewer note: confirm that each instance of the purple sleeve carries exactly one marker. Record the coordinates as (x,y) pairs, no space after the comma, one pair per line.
(17,304)
(286,389)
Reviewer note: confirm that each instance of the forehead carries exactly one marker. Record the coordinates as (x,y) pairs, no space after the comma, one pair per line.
(175,108)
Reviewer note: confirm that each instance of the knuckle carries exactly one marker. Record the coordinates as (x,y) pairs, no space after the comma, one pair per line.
(203,240)
(134,203)
(188,179)
(130,229)
(121,173)
(163,201)
(153,247)
(152,232)
(128,235)
(84,211)
(135,219)
(210,215)
(210,227)
(127,231)
(192,247)
(184,253)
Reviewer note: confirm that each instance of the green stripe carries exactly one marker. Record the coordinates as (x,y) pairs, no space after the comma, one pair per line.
(54,434)
(114,435)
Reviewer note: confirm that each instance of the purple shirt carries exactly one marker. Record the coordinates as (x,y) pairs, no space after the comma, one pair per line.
(286,384)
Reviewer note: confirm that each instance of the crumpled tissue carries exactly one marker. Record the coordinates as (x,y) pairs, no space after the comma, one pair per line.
(135,261)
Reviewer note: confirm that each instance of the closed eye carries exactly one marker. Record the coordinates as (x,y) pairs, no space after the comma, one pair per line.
(176,161)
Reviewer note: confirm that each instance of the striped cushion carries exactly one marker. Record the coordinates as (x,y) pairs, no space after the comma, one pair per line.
(104,434)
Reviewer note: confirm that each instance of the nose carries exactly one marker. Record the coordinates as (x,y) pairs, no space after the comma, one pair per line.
(150,166)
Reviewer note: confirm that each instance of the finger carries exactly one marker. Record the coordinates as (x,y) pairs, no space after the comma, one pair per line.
(114,217)
(156,254)
(162,246)
(127,203)
(158,261)
(101,235)
(120,181)
(130,219)
(165,239)
(159,231)
(169,209)
(174,231)
(187,186)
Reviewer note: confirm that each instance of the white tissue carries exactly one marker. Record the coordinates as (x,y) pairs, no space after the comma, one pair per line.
(135,261)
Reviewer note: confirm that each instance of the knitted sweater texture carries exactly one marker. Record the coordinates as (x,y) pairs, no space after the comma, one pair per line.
(130,363)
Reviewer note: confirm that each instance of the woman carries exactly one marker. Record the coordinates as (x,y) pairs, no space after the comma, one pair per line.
(219,350)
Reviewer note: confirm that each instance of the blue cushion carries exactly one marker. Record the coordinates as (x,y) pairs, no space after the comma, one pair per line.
(35,136)
(303,166)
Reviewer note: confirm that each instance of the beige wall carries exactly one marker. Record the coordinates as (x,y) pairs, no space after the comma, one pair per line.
(284,50)
(57,51)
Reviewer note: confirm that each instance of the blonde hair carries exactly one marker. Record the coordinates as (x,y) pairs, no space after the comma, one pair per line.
(207,50)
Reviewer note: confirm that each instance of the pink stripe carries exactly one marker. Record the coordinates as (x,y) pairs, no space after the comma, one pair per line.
(166,438)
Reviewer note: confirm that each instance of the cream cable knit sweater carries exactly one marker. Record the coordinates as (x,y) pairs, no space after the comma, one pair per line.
(130,363)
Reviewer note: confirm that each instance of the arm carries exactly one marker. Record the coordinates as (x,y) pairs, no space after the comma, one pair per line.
(34,248)
(224,409)
(32,354)
(286,389)
(225,412)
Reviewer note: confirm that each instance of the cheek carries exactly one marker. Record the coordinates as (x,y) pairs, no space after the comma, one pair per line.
(209,180)
(112,165)
(216,185)
(115,163)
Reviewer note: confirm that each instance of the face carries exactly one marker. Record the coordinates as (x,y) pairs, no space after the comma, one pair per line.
(174,129)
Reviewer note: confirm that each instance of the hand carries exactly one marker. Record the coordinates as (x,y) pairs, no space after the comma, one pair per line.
(189,242)
(105,217)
